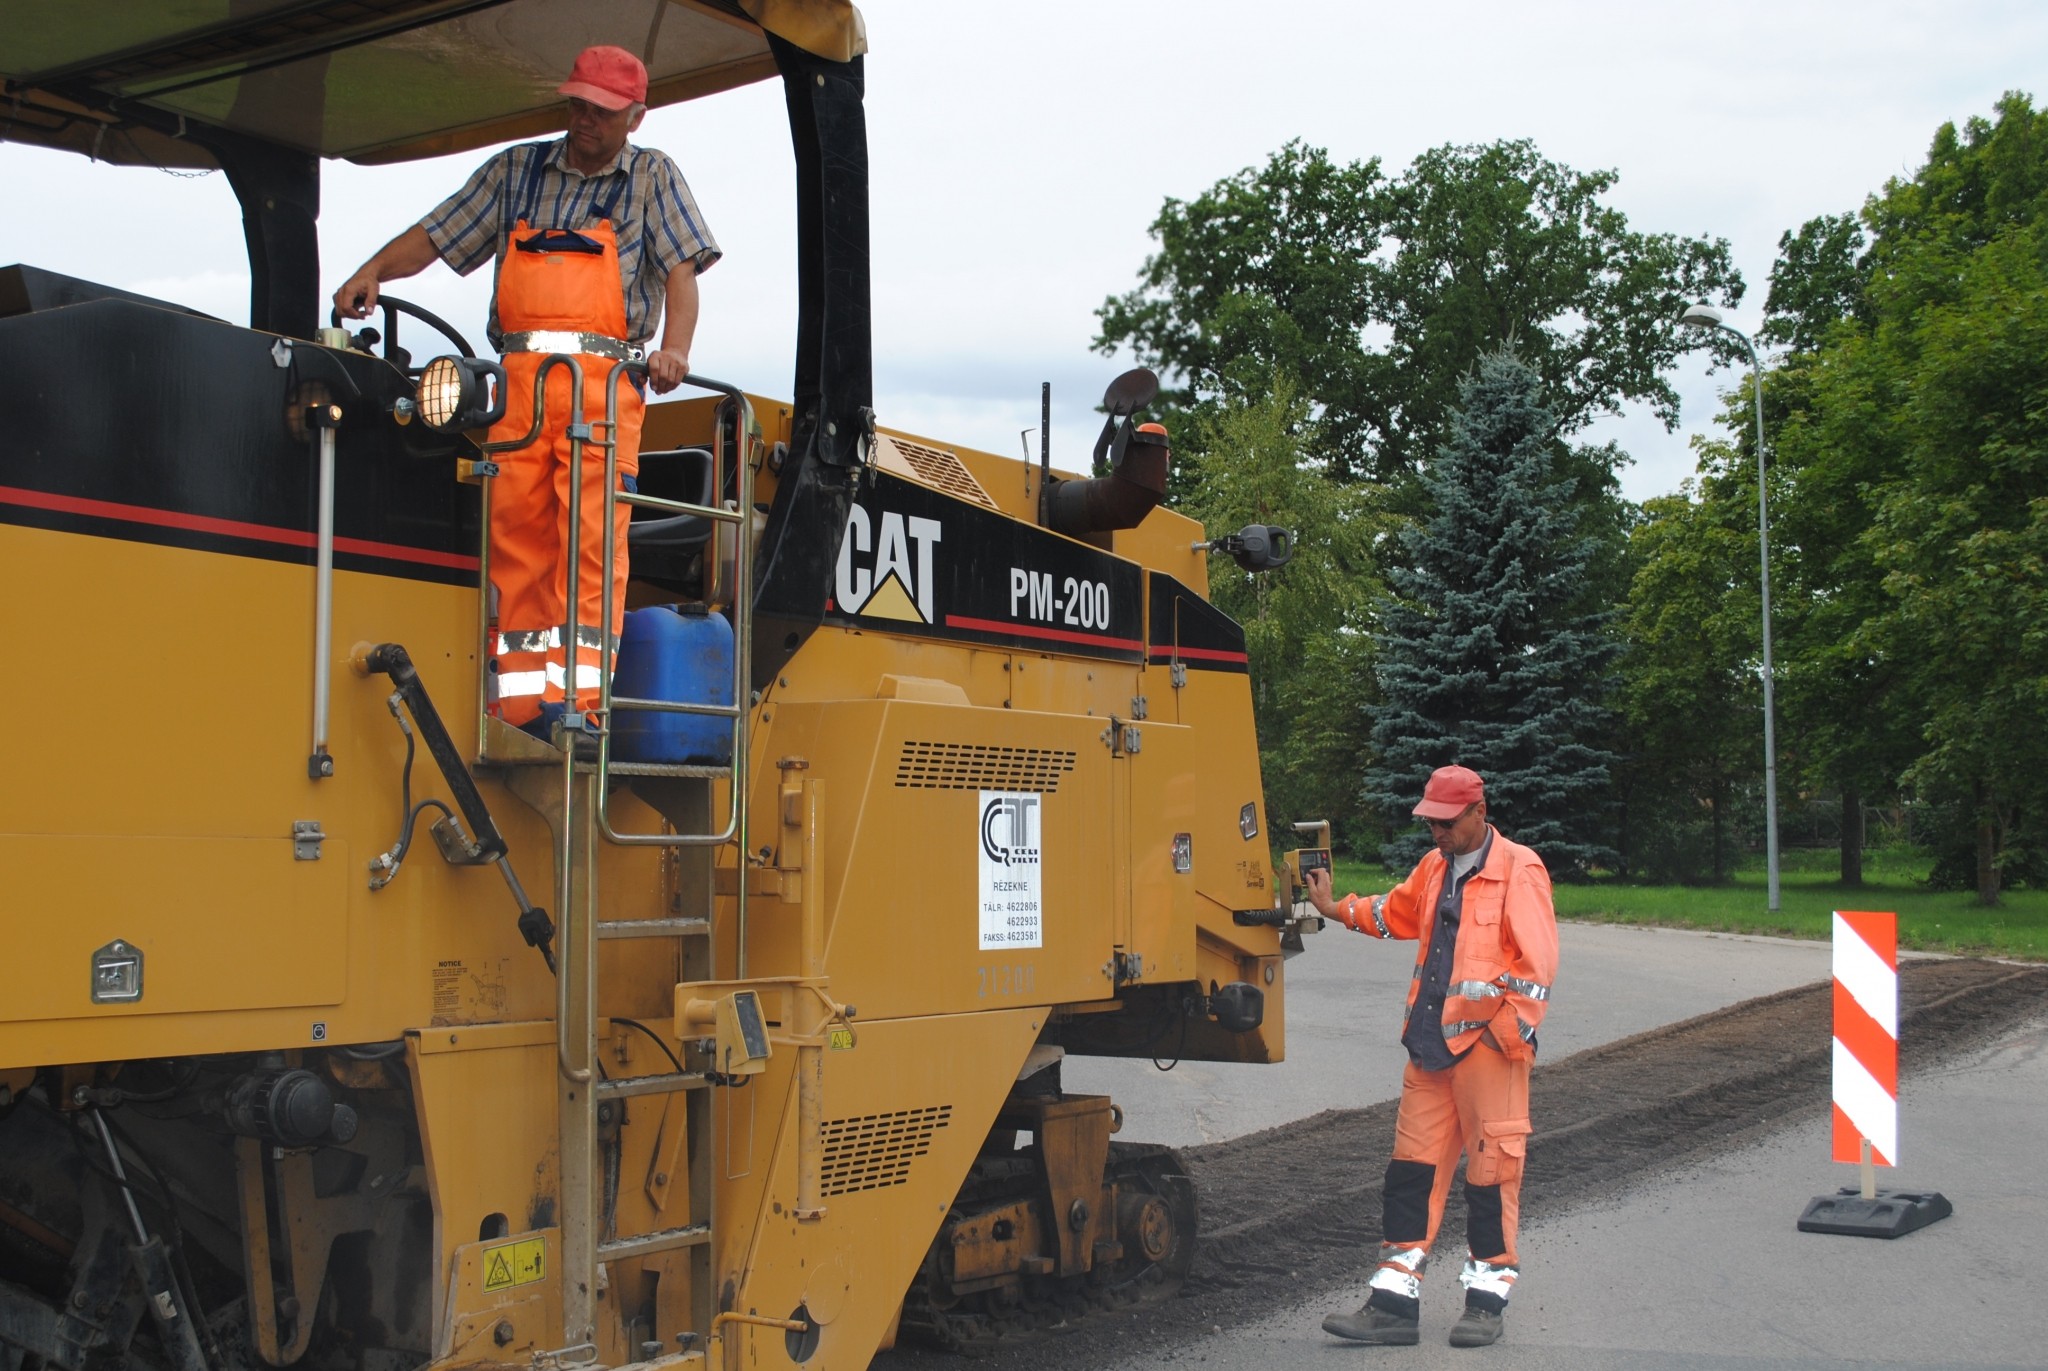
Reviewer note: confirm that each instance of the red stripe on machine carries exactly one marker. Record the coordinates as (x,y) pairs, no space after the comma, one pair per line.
(1200,654)
(1057,635)
(230,528)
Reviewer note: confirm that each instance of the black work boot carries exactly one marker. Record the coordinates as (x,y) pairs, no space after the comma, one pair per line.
(1478,1327)
(1375,1327)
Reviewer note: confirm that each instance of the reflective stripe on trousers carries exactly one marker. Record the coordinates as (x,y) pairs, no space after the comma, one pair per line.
(1492,1278)
(1400,1270)
(530,667)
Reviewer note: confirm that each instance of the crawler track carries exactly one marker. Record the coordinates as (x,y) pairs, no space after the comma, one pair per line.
(1287,1212)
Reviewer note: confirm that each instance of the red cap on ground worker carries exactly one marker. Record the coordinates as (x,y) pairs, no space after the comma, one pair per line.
(608,77)
(1450,790)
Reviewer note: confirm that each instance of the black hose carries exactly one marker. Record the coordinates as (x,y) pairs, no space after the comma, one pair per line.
(673,1060)
(393,660)
(374,1052)
(408,812)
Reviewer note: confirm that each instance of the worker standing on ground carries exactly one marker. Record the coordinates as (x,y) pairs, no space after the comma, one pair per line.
(593,238)
(1479,905)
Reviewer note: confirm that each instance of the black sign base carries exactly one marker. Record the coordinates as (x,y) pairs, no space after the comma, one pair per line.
(1893,1214)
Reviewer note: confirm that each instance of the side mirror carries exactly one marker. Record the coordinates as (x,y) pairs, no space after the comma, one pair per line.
(1255,547)
(1126,395)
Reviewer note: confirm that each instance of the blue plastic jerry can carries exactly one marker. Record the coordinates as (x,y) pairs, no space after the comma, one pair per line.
(679,653)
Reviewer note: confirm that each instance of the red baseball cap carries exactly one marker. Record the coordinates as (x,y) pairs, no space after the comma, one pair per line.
(608,77)
(1450,791)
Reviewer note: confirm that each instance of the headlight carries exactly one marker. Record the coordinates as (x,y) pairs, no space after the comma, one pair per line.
(455,394)
(446,392)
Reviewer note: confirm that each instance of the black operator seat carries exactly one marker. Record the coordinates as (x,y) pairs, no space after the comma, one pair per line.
(666,547)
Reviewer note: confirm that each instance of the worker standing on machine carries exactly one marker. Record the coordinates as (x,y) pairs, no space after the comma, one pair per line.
(593,237)
(1479,906)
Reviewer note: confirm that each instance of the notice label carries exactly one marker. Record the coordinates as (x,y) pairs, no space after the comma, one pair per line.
(516,1263)
(1011,827)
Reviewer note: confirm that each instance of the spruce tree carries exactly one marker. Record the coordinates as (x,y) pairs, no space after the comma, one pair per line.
(1492,655)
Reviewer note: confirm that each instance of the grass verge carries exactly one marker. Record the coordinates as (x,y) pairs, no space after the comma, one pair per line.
(1809,892)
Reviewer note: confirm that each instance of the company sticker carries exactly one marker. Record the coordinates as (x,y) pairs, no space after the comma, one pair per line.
(1011,886)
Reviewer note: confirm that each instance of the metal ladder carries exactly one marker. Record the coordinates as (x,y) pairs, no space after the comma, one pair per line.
(574,796)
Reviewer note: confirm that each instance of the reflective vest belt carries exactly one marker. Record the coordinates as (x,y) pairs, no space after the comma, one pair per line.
(564,340)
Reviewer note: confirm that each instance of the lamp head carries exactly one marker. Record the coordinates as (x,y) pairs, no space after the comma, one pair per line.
(1701,316)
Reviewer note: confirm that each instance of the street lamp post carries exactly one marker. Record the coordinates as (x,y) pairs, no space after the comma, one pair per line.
(1705,316)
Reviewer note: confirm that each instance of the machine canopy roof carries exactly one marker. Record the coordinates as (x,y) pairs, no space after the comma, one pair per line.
(373,81)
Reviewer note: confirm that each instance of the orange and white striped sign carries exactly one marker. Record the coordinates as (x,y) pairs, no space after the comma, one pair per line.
(1866,1036)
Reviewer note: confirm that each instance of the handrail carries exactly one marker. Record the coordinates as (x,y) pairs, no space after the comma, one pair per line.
(742,520)
(575,1045)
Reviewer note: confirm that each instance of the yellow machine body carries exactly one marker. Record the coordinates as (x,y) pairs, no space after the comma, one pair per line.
(294,1069)
(173,832)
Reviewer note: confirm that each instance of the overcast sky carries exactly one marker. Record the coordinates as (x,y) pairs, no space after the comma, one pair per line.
(1017,162)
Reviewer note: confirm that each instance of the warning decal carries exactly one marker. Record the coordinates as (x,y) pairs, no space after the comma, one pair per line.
(1011,826)
(515,1263)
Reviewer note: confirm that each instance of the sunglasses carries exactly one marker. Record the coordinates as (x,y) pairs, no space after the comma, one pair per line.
(1448,823)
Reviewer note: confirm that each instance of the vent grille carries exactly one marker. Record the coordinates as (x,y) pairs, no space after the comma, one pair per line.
(977,766)
(931,465)
(872,1151)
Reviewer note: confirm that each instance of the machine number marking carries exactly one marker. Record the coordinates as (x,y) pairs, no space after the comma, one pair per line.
(1018,979)
(515,1263)
(840,1040)
(1079,603)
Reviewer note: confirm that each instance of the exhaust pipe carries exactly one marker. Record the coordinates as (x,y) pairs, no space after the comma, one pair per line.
(1122,499)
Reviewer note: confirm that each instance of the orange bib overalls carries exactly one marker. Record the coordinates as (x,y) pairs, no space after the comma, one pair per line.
(557,280)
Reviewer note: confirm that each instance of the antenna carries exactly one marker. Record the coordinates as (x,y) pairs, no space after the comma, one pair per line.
(1044,443)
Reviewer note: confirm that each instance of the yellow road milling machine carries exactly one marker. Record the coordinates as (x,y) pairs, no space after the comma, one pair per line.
(724,1029)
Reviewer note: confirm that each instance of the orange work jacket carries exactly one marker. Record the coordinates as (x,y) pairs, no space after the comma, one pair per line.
(1506,954)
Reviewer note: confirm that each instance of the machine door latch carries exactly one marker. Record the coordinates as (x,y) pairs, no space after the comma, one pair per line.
(306,839)
(1121,739)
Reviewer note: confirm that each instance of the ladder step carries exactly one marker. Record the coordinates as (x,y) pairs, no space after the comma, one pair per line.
(709,773)
(667,1083)
(652,928)
(661,1240)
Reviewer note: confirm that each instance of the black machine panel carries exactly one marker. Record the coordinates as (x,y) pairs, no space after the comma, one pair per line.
(1183,627)
(914,560)
(126,420)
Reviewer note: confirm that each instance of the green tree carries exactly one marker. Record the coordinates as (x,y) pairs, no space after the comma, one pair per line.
(1380,295)
(1692,685)
(1263,275)
(1913,451)
(1257,462)
(1488,657)
(1816,283)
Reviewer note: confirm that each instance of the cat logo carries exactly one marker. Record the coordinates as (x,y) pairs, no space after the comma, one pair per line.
(897,582)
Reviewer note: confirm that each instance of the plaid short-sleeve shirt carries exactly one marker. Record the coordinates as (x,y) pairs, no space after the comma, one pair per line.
(657,220)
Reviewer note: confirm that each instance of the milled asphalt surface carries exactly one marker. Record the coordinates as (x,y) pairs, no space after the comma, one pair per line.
(1699,1270)
(1345,995)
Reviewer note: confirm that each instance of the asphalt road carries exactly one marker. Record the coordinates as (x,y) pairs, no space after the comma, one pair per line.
(1700,1270)
(1706,1270)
